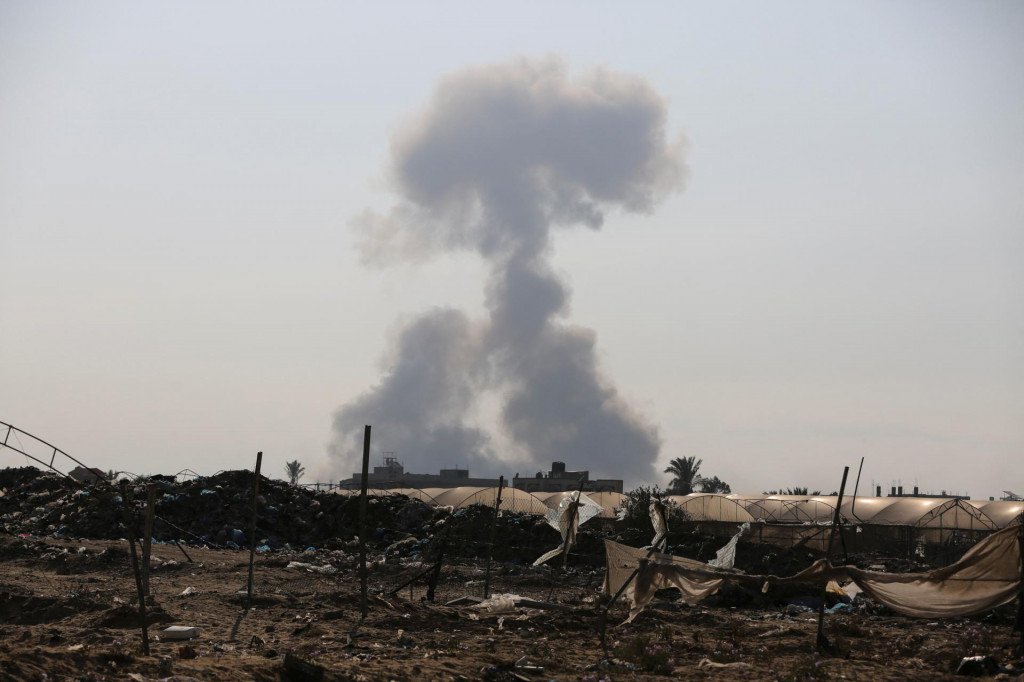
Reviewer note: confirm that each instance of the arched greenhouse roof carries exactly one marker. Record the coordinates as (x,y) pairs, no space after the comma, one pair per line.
(1002,512)
(512,500)
(711,507)
(414,493)
(864,509)
(933,512)
(452,497)
(609,501)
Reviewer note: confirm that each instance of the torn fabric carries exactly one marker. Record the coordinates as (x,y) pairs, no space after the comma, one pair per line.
(987,576)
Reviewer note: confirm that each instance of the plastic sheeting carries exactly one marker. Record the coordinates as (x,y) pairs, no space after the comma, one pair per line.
(987,576)
(571,513)
(659,519)
(726,556)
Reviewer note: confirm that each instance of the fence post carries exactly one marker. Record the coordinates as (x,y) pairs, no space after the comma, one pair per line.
(147,539)
(362,520)
(1020,596)
(442,546)
(573,513)
(129,528)
(822,641)
(490,543)
(252,529)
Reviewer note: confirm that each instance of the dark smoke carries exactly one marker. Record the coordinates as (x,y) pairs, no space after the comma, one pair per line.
(500,156)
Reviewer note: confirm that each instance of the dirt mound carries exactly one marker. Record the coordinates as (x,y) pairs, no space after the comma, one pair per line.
(33,610)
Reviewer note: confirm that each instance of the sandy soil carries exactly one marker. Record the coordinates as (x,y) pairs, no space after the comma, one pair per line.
(67,612)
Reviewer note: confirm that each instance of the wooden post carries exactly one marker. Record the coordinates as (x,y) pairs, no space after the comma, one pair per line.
(362,520)
(440,560)
(822,641)
(130,530)
(147,540)
(490,543)
(252,530)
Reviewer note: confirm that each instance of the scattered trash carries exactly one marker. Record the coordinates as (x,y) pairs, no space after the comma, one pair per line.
(978,666)
(525,664)
(499,603)
(185,652)
(187,591)
(708,664)
(326,569)
(178,633)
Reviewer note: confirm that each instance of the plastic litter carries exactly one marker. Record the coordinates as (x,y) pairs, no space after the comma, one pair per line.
(708,664)
(326,569)
(978,666)
(499,603)
(178,633)
(524,664)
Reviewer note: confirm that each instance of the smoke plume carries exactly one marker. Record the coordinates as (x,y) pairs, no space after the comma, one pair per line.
(501,155)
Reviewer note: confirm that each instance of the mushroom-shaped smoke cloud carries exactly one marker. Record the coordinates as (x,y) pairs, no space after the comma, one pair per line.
(501,155)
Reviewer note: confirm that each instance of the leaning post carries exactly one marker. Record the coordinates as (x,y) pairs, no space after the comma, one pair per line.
(362,520)
(252,529)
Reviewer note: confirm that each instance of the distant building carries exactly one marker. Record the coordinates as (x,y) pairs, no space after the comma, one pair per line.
(897,491)
(392,474)
(559,480)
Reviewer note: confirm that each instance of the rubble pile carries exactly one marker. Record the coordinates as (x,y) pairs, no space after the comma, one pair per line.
(215,510)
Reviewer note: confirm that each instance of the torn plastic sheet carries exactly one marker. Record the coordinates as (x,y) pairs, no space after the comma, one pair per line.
(559,519)
(987,576)
(726,556)
(659,519)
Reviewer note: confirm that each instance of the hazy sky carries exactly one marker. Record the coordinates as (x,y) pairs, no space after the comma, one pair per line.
(840,275)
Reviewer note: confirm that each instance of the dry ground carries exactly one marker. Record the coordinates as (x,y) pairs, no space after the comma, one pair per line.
(66,614)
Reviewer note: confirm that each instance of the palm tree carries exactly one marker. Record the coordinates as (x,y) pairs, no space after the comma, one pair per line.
(684,474)
(294,471)
(714,485)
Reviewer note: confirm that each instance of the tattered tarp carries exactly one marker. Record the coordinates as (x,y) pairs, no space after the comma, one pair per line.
(987,576)
(571,513)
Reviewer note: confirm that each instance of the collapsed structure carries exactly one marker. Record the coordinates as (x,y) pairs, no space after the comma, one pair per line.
(987,576)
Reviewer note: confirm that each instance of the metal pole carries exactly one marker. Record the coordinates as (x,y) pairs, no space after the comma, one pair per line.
(490,543)
(252,529)
(362,519)
(856,486)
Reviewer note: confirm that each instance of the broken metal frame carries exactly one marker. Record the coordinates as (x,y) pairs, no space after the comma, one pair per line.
(53,457)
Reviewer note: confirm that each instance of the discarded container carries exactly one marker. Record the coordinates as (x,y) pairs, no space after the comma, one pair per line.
(178,632)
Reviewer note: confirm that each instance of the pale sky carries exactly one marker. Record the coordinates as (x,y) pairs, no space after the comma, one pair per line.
(180,284)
